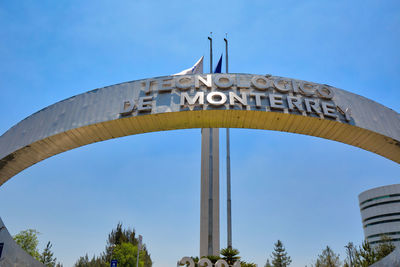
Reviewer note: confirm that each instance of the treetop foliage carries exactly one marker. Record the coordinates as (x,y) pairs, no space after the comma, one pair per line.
(366,255)
(328,258)
(28,241)
(230,255)
(268,264)
(279,256)
(47,256)
(121,245)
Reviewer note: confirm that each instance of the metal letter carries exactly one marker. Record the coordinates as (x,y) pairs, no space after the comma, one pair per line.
(257,97)
(221,263)
(126,108)
(311,105)
(276,101)
(295,87)
(186,85)
(186,260)
(227,81)
(242,100)
(324,92)
(199,96)
(263,86)
(304,90)
(145,103)
(328,110)
(294,102)
(166,85)
(199,79)
(147,86)
(239,84)
(221,101)
(283,89)
(345,112)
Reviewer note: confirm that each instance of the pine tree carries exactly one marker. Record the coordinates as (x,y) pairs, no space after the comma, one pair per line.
(350,251)
(279,256)
(47,256)
(328,258)
(94,262)
(365,255)
(267,264)
(384,248)
(247,264)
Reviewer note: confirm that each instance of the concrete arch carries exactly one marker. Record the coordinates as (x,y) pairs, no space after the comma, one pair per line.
(200,101)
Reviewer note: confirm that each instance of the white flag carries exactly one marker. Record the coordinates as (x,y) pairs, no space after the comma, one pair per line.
(196,69)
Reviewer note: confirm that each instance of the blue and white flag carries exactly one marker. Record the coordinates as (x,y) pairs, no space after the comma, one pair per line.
(196,69)
(219,66)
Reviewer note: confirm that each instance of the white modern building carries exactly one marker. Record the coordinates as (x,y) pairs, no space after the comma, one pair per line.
(380,213)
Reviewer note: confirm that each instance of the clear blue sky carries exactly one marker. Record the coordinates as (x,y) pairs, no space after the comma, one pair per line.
(300,189)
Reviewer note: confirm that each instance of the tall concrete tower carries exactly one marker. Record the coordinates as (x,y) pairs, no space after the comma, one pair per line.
(209,206)
(209,197)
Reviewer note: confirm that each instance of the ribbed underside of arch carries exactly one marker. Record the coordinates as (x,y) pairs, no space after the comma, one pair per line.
(285,122)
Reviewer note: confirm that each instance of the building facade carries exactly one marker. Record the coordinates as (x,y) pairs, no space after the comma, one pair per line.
(380,213)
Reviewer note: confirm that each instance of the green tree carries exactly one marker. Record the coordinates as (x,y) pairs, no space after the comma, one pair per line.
(120,243)
(366,255)
(230,255)
(213,258)
(384,248)
(247,264)
(28,241)
(350,252)
(267,264)
(126,254)
(195,259)
(83,261)
(94,262)
(47,256)
(280,257)
(119,236)
(328,258)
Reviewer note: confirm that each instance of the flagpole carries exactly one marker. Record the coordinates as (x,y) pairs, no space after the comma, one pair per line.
(226,54)
(211,54)
(210,188)
(228,166)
